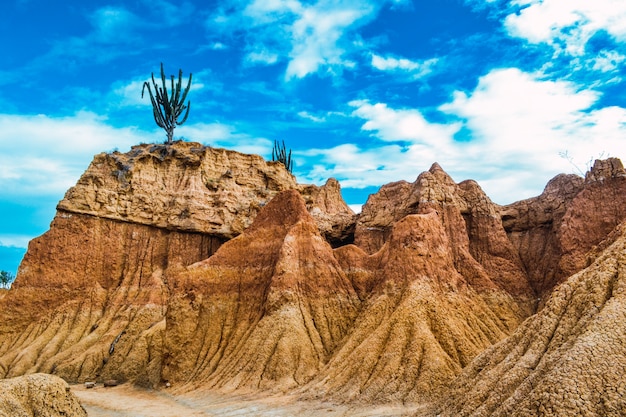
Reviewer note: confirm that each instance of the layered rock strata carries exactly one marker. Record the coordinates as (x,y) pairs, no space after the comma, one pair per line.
(480,248)
(207,268)
(424,318)
(194,188)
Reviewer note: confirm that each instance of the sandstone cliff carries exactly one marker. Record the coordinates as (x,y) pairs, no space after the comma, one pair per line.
(194,188)
(423,320)
(266,311)
(479,245)
(38,395)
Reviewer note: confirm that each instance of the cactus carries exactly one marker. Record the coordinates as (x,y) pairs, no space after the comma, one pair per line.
(279,153)
(167,109)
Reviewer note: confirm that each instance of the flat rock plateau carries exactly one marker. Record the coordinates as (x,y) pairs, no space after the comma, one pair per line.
(202,281)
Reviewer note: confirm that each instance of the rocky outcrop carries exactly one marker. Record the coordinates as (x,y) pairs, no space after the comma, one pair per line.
(396,325)
(90,299)
(422,321)
(266,311)
(38,395)
(554,231)
(568,359)
(478,242)
(335,220)
(194,188)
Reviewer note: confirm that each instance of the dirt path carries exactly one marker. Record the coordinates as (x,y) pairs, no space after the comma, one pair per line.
(128,401)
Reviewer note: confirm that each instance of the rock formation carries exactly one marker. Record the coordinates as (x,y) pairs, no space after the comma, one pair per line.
(568,359)
(194,188)
(207,268)
(266,311)
(91,293)
(554,231)
(422,321)
(38,395)
(479,245)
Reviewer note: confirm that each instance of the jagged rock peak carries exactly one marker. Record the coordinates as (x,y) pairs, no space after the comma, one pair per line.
(471,221)
(294,306)
(554,231)
(284,211)
(419,324)
(605,168)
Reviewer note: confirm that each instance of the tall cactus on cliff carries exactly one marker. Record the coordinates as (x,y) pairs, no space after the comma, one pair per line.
(167,108)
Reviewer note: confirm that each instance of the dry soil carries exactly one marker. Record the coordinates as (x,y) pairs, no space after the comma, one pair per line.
(129,401)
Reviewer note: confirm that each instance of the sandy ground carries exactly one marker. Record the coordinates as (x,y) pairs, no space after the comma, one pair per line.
(129,401)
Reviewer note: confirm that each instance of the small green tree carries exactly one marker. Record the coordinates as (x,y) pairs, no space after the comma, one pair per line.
(168,107)
(280,154)
(6,278)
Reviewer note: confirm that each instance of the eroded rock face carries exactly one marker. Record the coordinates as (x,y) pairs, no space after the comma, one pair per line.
(422,321)
(184,186)
(91,294)
(568,359)
(266,311)
(478,241)
(38,395)
(90,299)
(554,231)
(190,187)
(207,268)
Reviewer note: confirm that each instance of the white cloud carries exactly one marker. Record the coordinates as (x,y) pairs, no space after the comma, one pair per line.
(403,125)
(416,68)
(317,33)
(310,37)
(113,24)
(357,167)
(129,93)
(309,116)
(607,61)
(263,57)
(44,156)
(518,124)
(567,25)
(218,46)
(513,111)
(227,136)
(14,241)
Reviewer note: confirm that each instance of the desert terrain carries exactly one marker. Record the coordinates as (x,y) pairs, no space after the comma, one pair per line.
(204,281)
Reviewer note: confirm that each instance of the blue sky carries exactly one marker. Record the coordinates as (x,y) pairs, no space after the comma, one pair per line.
(506,92)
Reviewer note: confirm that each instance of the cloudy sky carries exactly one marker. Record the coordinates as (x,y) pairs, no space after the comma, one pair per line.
(506,92)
